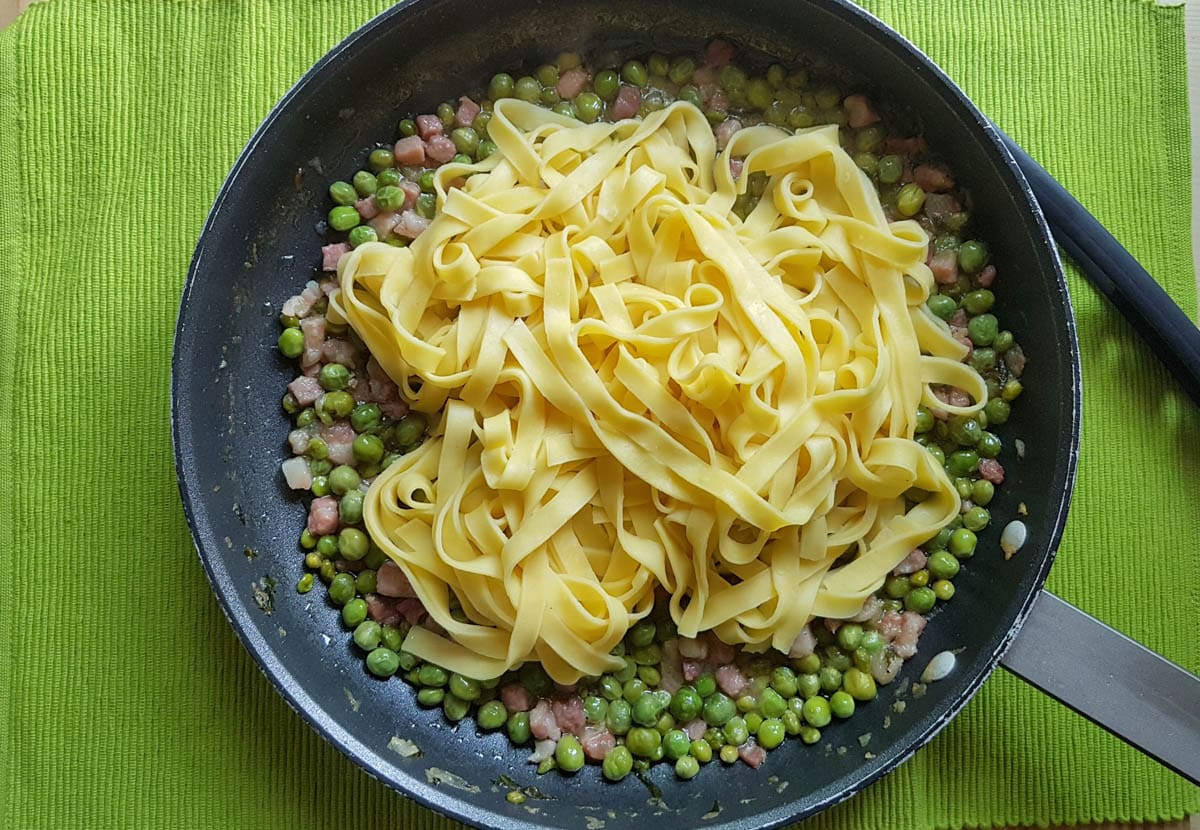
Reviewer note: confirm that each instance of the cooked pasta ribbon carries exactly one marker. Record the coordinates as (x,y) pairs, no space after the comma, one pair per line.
(640,391)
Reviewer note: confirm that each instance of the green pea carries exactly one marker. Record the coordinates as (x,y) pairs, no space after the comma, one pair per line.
(771,733)
(772,703)
(783,681)
(979,301)
(619,717)
(746,703)
(736,731)
(566,109)
(617,763)
(729,754)
(976,519)
(759,93)
(963,462)
(641,634)
(982,492)
(849,636)
(859,684)
(333,377)
(983,360)
(430,698)
(643,741)
(595,709)
(569,754)
(410,429)
(705,684)
(547,74)
(910,200)
(291,343)
(464,687)
(965,431)
(588,107)
(465,139)
(890,169)
(920,600)
(628,672)
(1003,341)
(686,704)
(518,728)
(381,159)
(527,89)
(869,139)
(367,449)
(486,148)
(676,744)
(304,584)
(982,329)
(830,679)
(391,637)
(431,675)
(362,235)
(606,84)
(365,417)
(383,662)
(336,404)
(733,78)
(390,199)
(680,70)
(897,587)
(841,704)
(365,183)
(307,540)
(943,564)
(650,655)
(972,256)
(446,112)
(407,127)
(647,709)
(817,712)
(687,767)
(388,178)
(343,218)
(799,118)
(343,479)
(327,546)
(491,715)
(343,193)
(942,306)
(610,687)
(501,86)
(367,635)
(635,687)
(352,544)
(634,72)
(962,543)
(341,589)
(943,589)
(354,612)
(718,709)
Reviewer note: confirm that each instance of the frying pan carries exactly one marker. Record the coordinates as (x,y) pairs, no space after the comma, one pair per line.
(259,244)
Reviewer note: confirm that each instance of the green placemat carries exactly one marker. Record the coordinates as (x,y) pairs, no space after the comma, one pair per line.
(126,699)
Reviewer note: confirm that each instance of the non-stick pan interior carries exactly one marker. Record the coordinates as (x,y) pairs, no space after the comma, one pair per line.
(261,243)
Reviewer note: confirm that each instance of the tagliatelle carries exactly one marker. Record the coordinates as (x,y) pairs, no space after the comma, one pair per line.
(640,390)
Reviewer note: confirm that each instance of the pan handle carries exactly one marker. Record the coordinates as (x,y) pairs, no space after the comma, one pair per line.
(1118,684)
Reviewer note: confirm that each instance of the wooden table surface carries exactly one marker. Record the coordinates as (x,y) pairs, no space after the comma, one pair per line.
(9,9)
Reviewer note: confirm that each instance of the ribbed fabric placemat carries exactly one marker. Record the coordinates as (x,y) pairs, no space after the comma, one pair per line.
(128,702)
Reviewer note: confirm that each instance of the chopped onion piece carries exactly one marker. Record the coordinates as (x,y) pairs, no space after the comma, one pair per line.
(1013,538)
(940,666)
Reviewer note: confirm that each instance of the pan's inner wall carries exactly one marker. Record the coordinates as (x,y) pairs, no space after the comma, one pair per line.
(261,246)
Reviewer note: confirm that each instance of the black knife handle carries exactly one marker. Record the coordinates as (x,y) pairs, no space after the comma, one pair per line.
(1171,335)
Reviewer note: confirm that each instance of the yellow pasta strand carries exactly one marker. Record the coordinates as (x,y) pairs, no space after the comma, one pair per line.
(642,392)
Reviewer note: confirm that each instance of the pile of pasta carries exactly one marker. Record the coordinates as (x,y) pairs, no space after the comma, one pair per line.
(640,392)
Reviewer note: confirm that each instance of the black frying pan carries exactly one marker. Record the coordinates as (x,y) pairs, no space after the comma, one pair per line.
(259,244)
